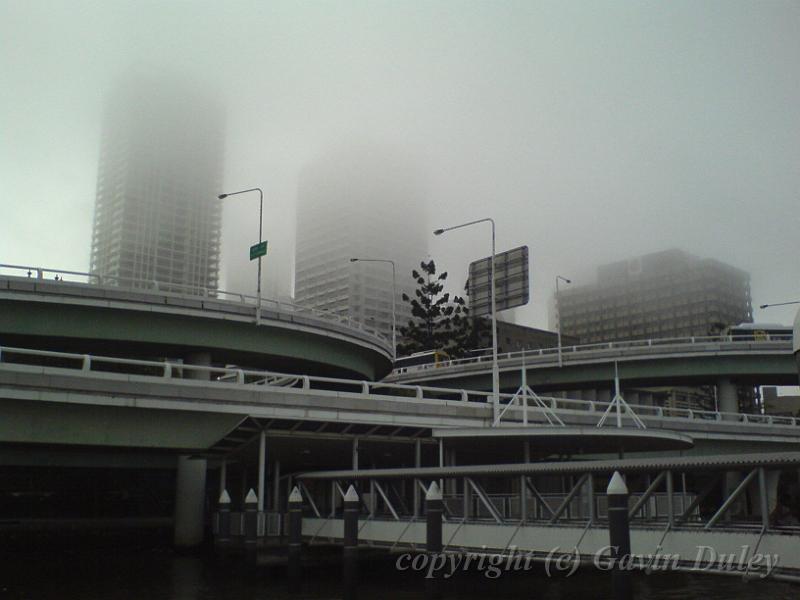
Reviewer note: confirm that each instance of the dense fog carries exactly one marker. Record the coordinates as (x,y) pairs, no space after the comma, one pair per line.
(590,131)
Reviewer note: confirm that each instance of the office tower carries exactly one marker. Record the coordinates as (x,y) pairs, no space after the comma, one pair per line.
(157,216)
(661,295)
(365,202)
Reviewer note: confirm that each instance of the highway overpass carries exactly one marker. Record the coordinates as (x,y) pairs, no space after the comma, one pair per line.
(213,328)
(640,363)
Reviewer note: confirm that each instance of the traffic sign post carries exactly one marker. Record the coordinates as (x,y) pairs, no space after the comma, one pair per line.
(511,282)
(258,250)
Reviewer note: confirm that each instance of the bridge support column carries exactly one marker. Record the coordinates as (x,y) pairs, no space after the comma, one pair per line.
(262,468)
(190,490)
(223,475)
(417,464)
(770,487)
(603,395)
(451,483)
(276,487)
(350,550)
(727,396)
(728,402)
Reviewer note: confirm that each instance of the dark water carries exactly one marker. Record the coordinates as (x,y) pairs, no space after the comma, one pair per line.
(160,574)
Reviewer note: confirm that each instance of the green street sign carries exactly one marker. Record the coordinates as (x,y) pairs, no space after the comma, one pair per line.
(258,250)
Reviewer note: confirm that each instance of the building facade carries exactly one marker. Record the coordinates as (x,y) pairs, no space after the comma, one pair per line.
(157,217)
(359,203)
(661,295)
(514,338)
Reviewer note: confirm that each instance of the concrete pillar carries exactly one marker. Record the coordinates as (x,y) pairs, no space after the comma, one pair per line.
(753,495)
(223,476)
(276,490)
(603,395)
(262,467)
(417,464)
(190,491)
(451,462)
(590,395)
(727,396)
(197,358)
(441,460)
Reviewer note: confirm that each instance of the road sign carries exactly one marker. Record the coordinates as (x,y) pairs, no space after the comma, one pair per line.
(512,282)
(257,250)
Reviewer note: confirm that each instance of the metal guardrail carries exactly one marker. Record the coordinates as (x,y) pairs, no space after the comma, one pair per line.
(186,291)
(684,344)
(232,376)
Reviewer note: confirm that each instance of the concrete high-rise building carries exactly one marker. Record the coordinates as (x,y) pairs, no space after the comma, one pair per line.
(366,202)
(157,216)
(660,295)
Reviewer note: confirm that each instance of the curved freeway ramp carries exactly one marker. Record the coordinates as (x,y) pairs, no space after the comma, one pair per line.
(80,317)
(684,361)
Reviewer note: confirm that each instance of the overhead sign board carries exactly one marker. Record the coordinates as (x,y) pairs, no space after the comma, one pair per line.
(512,283)
(257,250)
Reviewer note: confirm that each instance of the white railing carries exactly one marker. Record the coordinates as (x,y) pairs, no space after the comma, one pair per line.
(654,346)
(187,291)
(232,376)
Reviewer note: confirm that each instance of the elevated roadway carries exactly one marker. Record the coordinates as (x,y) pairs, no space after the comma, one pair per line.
(641,363)
(84,400)
(207,328)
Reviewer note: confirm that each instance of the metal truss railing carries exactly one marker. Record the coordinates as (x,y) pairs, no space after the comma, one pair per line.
(659,504)
(542,413)
(176,290)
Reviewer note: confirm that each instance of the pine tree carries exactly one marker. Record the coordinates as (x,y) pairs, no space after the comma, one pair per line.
(438,323)
(430,327)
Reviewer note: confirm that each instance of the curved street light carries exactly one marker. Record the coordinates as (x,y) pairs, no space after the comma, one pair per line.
(558,312)
(394,297)
(260,227)
(495,369)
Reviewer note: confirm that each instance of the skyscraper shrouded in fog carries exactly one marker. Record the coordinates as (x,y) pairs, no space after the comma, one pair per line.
(660,295)
(157,217)
(364,202)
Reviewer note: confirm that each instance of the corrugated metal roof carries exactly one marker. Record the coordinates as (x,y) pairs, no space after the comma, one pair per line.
(770,460)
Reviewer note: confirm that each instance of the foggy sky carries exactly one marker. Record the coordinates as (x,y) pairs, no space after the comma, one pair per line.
(591,131)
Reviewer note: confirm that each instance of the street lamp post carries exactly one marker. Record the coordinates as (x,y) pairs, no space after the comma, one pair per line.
(558,314)
(260,227)
(394,297)
(779,304)
(495,369)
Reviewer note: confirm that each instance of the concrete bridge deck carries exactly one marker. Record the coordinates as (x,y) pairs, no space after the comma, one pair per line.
(675,361)
(110,401)
(147,323)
